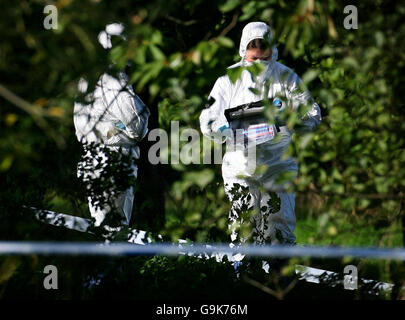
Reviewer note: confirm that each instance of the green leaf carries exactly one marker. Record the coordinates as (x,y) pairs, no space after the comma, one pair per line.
(328,156)
(225,42)
(235,73)
(6,163)
(157,53)
(310,75)
(8,267)
(229,5)
(201,178)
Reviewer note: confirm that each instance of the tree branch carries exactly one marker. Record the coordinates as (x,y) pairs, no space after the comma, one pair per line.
(230,26)
(262,287)
(184,23)
(36,113)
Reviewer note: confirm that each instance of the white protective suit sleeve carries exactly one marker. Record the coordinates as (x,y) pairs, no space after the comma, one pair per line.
(124,105)
(212,118)
(298,96)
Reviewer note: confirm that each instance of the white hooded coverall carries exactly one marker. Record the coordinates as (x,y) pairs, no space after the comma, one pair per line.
(116,119)
(274,218)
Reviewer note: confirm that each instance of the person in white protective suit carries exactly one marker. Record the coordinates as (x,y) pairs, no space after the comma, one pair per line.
(114,119)
(273,205)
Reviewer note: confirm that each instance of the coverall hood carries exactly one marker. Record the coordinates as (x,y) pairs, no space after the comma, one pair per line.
(256,30)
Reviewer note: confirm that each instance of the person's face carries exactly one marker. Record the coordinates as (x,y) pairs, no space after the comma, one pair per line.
(257,54)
